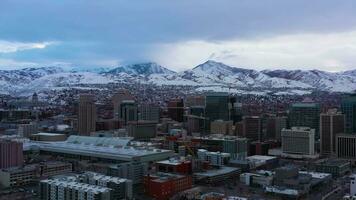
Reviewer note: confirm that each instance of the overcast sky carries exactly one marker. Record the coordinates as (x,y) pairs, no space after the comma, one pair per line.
(179,34)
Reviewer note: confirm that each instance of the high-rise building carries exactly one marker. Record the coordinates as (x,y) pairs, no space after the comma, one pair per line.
(117,99)
(11,154)
(252,127)
(331,123)
(272,126)
(346,146)
(298,140)
(176,109)
(305,114)
(86,115)
(217,106)
(195,101)
(348,108)
(128,111)
(149,112)
(26,130)
(221,127)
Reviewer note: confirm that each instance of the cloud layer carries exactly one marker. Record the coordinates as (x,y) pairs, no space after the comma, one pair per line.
(180,33)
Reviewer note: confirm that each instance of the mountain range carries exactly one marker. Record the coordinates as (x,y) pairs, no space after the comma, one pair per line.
(208,76)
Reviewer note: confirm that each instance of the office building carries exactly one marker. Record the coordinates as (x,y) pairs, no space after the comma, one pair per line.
(176,109)
(11,154)
(217,106)
(128,111)
(331,124)
(26,130)
(133,171)
(236,147)
(298,140)
(192,101)
(214,158)
(221,127)
(305,115)
(18,176)
(162,186)
(348,108)
(117,99)
(149,112)
(273,126)
(175,166)
(86,115)
(142,130)
(336,167)
(252,127)
(346,146)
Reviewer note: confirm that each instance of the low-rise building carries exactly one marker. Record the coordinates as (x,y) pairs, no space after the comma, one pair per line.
(162,186)
(335,167)
(18,176)
(217,175)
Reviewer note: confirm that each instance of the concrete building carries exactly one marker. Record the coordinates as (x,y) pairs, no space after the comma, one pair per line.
(260,179)
(274,126)
(147,112)
(298,140)
(216,107)
(176,109)
(130,170)
(335,167)
(117,99)
(348,108)
(86,114)
(162,186)
(217,175)
(252,127)
(128,111)
(53,168)
(331,123)
(50,137)
(58,189)
(305,114)
(174,166)
(214,158)
(11,153)
(346,146)
(18,176)
(142,130)
(105,149)
(221,127)
(121,188)
(235,146)
(26,130)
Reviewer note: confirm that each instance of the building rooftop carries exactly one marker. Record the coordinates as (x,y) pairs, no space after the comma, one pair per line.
(216,172)
(78,186)
(102,148)
(48,134)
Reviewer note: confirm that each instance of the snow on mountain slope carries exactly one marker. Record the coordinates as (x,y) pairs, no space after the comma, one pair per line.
(143,69)
(210,75)
(334,82)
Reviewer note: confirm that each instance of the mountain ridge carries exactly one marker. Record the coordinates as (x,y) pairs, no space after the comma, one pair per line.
(210,75)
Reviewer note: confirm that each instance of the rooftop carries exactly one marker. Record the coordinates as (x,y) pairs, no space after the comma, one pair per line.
(78,186)
(217,172)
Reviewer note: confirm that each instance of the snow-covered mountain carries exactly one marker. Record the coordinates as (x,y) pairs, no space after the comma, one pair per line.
(210,75)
